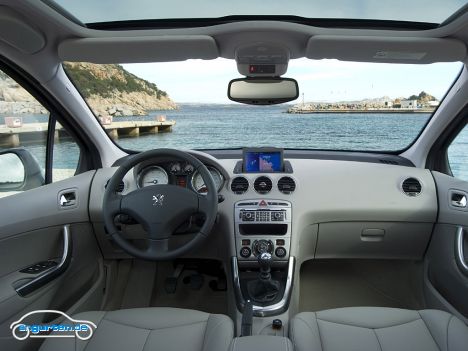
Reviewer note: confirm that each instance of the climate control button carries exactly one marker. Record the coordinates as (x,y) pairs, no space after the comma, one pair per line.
(245,252)
(280,252)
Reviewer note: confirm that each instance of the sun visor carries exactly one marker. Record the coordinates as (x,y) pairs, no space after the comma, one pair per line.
(389,50)
(138,49)
(16,32)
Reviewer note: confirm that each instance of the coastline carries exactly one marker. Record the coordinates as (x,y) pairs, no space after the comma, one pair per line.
(383,111)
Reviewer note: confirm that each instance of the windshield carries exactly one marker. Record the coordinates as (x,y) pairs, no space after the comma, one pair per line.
(428,11)
(342,105)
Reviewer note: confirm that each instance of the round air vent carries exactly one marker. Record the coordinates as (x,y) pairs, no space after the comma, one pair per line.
(119,187)
(286,185)
(411,187)
(239,185)
(262,185)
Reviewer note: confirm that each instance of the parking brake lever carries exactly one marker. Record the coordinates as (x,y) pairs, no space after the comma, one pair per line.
(247,319)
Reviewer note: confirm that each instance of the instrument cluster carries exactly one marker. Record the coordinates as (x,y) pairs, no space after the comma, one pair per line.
(177,173)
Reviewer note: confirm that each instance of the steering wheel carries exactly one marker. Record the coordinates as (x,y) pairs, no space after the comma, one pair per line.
(160,209)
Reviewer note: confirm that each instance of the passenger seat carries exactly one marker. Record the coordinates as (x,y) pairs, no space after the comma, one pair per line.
(378,329)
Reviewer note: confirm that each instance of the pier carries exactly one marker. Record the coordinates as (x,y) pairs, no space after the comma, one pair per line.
(31,132)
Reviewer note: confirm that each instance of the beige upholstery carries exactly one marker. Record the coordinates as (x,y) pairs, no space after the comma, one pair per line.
(145,329)
(261,343)
(378,329)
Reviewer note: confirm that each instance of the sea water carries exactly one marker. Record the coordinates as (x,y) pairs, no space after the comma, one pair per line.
(210,126)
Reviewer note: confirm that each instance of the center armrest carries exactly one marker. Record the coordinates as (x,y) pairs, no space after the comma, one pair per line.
(261,343)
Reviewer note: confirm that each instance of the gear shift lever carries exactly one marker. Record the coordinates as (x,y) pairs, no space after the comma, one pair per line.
(264,289)
(264,260)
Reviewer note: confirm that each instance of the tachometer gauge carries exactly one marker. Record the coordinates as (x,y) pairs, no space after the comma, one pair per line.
(152,175)
(198,184)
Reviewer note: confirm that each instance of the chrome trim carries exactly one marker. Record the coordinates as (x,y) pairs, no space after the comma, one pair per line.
(145,170)
(196,173)
(459,252)
(264,311)
(52,272)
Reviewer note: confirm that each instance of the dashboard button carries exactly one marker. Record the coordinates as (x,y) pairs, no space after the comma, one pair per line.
(248,216)
(280,242)
(245,252)
(280,252)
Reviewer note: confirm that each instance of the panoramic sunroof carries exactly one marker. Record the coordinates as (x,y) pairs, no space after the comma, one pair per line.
(422,11)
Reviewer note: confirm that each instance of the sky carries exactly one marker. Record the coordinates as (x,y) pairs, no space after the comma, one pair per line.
(201,81)
(434,11)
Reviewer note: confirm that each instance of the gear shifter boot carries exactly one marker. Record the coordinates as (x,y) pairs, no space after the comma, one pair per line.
(263,291)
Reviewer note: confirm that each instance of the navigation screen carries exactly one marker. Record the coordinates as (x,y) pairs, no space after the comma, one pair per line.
(263,161)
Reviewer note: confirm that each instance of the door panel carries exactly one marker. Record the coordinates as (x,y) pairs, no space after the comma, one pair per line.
(447,283)
(32,231)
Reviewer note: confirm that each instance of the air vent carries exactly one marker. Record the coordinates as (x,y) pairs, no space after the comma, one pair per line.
(411,187)
(262,185)
(119,187)
(286,185)
(239,185)
(388,162)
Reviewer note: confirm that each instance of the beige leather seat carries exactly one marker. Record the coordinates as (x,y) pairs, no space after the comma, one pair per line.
(378,329)
(144,329)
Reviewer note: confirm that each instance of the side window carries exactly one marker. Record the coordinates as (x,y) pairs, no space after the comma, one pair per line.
(66,155)
(24,125)
(458,155)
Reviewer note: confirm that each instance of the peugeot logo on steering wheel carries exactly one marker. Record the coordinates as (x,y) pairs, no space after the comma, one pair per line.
(158,200)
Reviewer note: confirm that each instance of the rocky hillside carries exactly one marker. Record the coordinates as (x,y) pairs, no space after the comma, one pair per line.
(111,90)
(16,100)
(422,98)
(108,89)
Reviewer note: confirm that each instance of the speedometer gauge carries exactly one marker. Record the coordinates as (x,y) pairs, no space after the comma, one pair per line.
(198,184)
(152,175)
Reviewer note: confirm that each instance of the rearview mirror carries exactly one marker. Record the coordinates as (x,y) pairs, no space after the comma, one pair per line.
(263,91)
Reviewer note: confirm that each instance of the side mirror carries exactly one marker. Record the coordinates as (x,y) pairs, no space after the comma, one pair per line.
(263,91)
(20,170)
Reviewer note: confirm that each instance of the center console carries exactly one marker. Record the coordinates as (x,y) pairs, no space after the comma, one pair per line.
(263,267)
(262,226)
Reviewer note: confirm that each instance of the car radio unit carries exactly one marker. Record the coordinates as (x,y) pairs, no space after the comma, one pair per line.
(262,226)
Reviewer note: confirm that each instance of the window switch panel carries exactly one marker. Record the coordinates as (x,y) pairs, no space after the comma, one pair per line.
(39,267)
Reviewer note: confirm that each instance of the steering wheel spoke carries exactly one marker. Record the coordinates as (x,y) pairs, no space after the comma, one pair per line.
(157,246)
(114,204)
(205,205)
(158,231)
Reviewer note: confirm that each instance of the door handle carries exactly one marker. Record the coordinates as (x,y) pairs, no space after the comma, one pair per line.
(459,251)
(53,272)
(458,200)
(67,199)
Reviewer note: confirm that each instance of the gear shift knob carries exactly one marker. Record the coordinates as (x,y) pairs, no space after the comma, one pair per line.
(264,260)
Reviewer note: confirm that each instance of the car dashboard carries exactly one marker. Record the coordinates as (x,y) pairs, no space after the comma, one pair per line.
(319,208)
